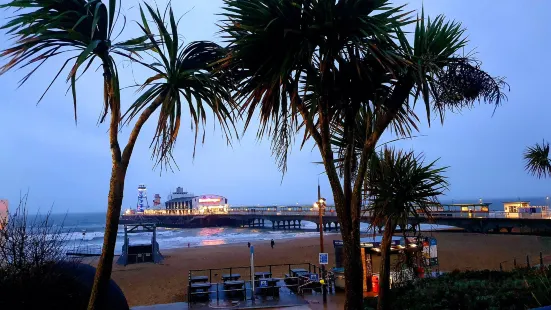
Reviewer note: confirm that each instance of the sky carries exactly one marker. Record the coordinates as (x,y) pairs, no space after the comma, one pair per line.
(68,166)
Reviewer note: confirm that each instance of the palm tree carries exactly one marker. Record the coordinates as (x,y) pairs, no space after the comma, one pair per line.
(48,28)
(316,65)
(537,160)
(399,184)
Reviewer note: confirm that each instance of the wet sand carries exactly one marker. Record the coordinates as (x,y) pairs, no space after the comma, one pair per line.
(146,284)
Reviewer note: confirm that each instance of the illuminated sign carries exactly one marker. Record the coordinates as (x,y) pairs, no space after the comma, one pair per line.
(208,200)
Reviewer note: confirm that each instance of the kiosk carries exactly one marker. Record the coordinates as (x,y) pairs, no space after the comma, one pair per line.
(368,247)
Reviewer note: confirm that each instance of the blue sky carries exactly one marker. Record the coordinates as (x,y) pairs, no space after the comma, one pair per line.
(41,149)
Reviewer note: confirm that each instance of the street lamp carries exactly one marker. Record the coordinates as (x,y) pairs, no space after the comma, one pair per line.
(321,210)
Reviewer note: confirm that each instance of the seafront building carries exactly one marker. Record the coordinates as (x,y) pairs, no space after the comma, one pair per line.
(181,202)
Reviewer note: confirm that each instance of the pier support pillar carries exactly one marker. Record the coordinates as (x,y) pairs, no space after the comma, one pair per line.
(299,224)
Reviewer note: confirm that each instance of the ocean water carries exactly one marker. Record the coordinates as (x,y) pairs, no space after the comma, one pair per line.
(86,230)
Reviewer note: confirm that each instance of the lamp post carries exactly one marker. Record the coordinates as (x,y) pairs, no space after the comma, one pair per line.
(321,208)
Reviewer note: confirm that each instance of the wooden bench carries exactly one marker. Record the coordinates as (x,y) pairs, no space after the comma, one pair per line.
(236,286)
(262,274)
(199,279)
(231,277)
(269,287)
(199,291)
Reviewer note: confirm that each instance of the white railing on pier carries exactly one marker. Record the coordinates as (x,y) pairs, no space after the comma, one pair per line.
(332,213)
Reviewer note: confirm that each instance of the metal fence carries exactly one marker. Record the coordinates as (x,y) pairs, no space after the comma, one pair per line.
(234,284)
(529,261)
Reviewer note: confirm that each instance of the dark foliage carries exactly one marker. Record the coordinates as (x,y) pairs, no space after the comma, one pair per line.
(400,183)
(462,83)
(537,160)
(519,289)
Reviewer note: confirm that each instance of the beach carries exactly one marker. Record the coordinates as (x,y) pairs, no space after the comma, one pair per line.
(146,284)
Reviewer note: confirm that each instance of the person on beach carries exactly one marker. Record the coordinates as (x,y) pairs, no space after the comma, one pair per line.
(249,245)
(272,243)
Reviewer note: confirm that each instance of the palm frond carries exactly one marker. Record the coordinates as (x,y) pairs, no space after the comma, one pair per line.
(281,50)
(400,184)
(445,79)
(77,29)
(537,160)
(183,75)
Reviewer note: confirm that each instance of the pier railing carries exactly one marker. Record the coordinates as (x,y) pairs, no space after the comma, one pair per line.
(332,213)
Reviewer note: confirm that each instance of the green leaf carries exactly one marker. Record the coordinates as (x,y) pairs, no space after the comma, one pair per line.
(112,8)
(83,56)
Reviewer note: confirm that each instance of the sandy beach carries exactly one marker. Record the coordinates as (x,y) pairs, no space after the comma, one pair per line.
(146,284)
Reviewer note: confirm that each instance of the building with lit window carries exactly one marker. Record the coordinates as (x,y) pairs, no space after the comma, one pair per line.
(212,204)
(181,202)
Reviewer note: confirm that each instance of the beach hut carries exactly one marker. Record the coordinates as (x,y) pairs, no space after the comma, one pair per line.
(370,246)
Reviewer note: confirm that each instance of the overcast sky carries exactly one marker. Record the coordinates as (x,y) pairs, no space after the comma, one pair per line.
(41,149)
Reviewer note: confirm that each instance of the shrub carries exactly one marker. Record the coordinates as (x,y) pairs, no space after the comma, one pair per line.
(519,289)
(35,273)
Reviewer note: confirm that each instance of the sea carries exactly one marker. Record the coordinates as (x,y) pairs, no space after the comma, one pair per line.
(86,230)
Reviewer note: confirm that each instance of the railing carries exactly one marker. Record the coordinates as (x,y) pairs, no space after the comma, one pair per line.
(534,261)
(259,212)
(281,276)
(332,213)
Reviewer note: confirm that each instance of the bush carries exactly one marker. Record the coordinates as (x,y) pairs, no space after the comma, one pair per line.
(519,289)
(35,273)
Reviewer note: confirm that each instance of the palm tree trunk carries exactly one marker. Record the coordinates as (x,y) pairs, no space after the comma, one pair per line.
(98,297)
(384,271)
(353,271)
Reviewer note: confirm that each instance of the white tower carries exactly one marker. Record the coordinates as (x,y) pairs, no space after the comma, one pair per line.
(142,198)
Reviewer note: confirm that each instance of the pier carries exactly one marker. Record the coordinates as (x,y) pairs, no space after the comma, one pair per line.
(480,222)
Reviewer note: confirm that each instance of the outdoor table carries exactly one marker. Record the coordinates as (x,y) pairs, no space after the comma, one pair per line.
(268,286)
(237,286)
(199,290)
(262,274)
(297,271)
(198,279)
(231,277)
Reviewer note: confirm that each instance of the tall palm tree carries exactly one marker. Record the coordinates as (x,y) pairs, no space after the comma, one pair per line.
(399,183)
(317,65)
(537,160)
(81,30)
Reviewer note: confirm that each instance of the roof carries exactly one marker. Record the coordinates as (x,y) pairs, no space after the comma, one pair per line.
(181,199)
(371,242)
(467,204)
(516,202)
